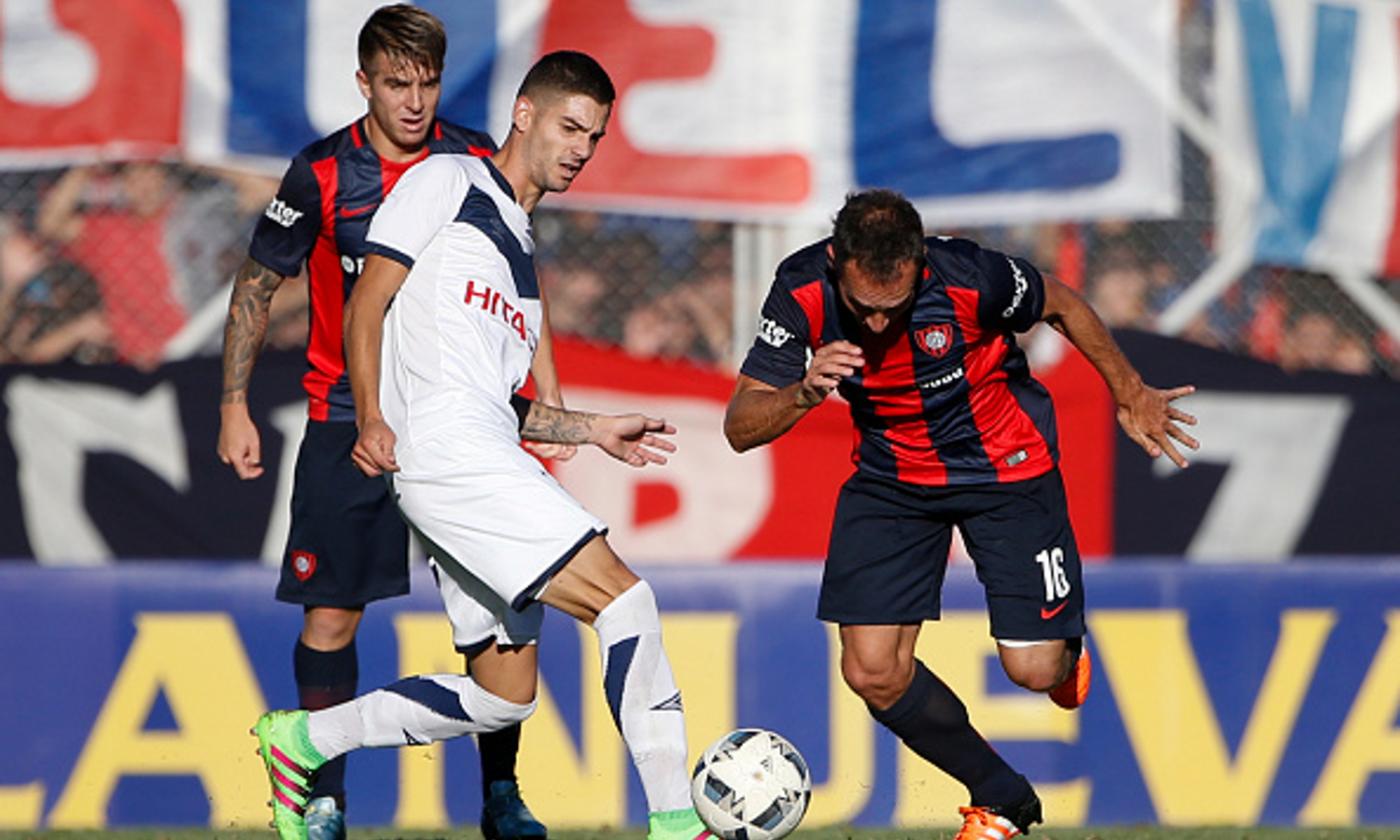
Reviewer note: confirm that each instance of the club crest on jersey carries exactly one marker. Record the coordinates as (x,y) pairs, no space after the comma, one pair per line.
(303,565)
(935,339)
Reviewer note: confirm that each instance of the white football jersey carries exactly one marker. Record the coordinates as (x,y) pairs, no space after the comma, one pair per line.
(461,332)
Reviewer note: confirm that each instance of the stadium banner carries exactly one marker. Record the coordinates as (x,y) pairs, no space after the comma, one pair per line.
(1290,465)
(726,108)
(102,463)
(1308,105)
(1239,696)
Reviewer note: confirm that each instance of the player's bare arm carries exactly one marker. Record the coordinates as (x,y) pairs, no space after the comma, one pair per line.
(1145,413)
(364,333)
(245,329)
(547,388)
(759,413)
(630,438)
(59,218)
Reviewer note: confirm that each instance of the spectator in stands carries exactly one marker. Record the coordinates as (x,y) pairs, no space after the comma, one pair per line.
(1352,354)
(207,240)
(594,271)
(160,239)
(1309,341)
(659,328)
(50,309)
(1118,292)
(706,297)
(113,223)
(575,291)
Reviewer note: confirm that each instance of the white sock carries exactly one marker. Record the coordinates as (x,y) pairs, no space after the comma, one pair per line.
(415,710)
(642,695)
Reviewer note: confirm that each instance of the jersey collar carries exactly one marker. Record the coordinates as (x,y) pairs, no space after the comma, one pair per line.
(500,179)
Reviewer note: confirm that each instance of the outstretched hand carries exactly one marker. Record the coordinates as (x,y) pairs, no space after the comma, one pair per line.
(632,439)
(374,449)
(1153,422)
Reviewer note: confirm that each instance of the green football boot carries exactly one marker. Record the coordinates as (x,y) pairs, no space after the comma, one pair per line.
(684,824)
(290,759)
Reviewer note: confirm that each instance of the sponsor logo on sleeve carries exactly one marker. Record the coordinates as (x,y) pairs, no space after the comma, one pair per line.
(282,213)
(772,333)
(1021,287)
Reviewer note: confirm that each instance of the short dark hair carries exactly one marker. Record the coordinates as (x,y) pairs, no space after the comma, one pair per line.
(569,72)
(878,229)
(406,35)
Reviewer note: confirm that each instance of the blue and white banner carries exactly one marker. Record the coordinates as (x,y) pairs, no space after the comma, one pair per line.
(1308,103)
(1222,696)
(979,110)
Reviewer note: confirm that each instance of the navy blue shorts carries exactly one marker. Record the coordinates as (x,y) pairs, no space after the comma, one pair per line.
(889,552)
(348,545)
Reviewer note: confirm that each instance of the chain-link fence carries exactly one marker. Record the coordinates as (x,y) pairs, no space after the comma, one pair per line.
(126,262)
(130,262)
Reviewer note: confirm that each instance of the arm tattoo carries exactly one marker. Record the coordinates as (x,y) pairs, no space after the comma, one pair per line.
(246,326)
(547,424)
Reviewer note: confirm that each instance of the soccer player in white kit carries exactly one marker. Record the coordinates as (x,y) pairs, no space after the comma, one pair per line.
(434,383)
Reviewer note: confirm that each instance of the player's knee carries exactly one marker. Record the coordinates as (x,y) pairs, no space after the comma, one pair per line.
(1035,678)
(329,628)
(879,684)
(1036,670)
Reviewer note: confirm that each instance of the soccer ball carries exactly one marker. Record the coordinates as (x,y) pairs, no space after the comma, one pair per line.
(751,784)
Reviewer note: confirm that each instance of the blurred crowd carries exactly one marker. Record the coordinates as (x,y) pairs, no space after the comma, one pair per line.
(130,263)
(656,287)
(1131,272)
(112,262)
(117,262)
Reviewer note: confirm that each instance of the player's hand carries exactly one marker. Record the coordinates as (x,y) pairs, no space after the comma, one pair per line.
(374,449)
(1153,422)
(632,438)
(830,364)
(239,444)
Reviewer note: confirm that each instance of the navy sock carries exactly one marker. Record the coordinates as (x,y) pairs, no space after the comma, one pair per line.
(326,678)
(931,720)
(498,750)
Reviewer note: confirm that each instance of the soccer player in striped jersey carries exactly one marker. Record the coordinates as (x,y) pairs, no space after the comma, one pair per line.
(434,382)
(348,545)
(918,335)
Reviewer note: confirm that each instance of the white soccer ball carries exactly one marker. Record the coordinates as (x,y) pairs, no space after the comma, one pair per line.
(751,784)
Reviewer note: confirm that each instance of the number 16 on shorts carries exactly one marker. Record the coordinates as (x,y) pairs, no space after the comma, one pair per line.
(1052,568)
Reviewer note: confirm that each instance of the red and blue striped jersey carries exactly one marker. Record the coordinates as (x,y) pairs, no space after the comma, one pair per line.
(944,398)
(320,217)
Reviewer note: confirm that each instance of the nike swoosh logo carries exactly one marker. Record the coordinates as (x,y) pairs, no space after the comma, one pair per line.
(1049,614)
(352,212)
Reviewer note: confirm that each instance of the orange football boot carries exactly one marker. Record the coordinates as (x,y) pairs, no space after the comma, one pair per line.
(1070,694)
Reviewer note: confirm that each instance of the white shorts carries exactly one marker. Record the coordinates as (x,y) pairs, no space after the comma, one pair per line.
(497,525)
(478,615)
